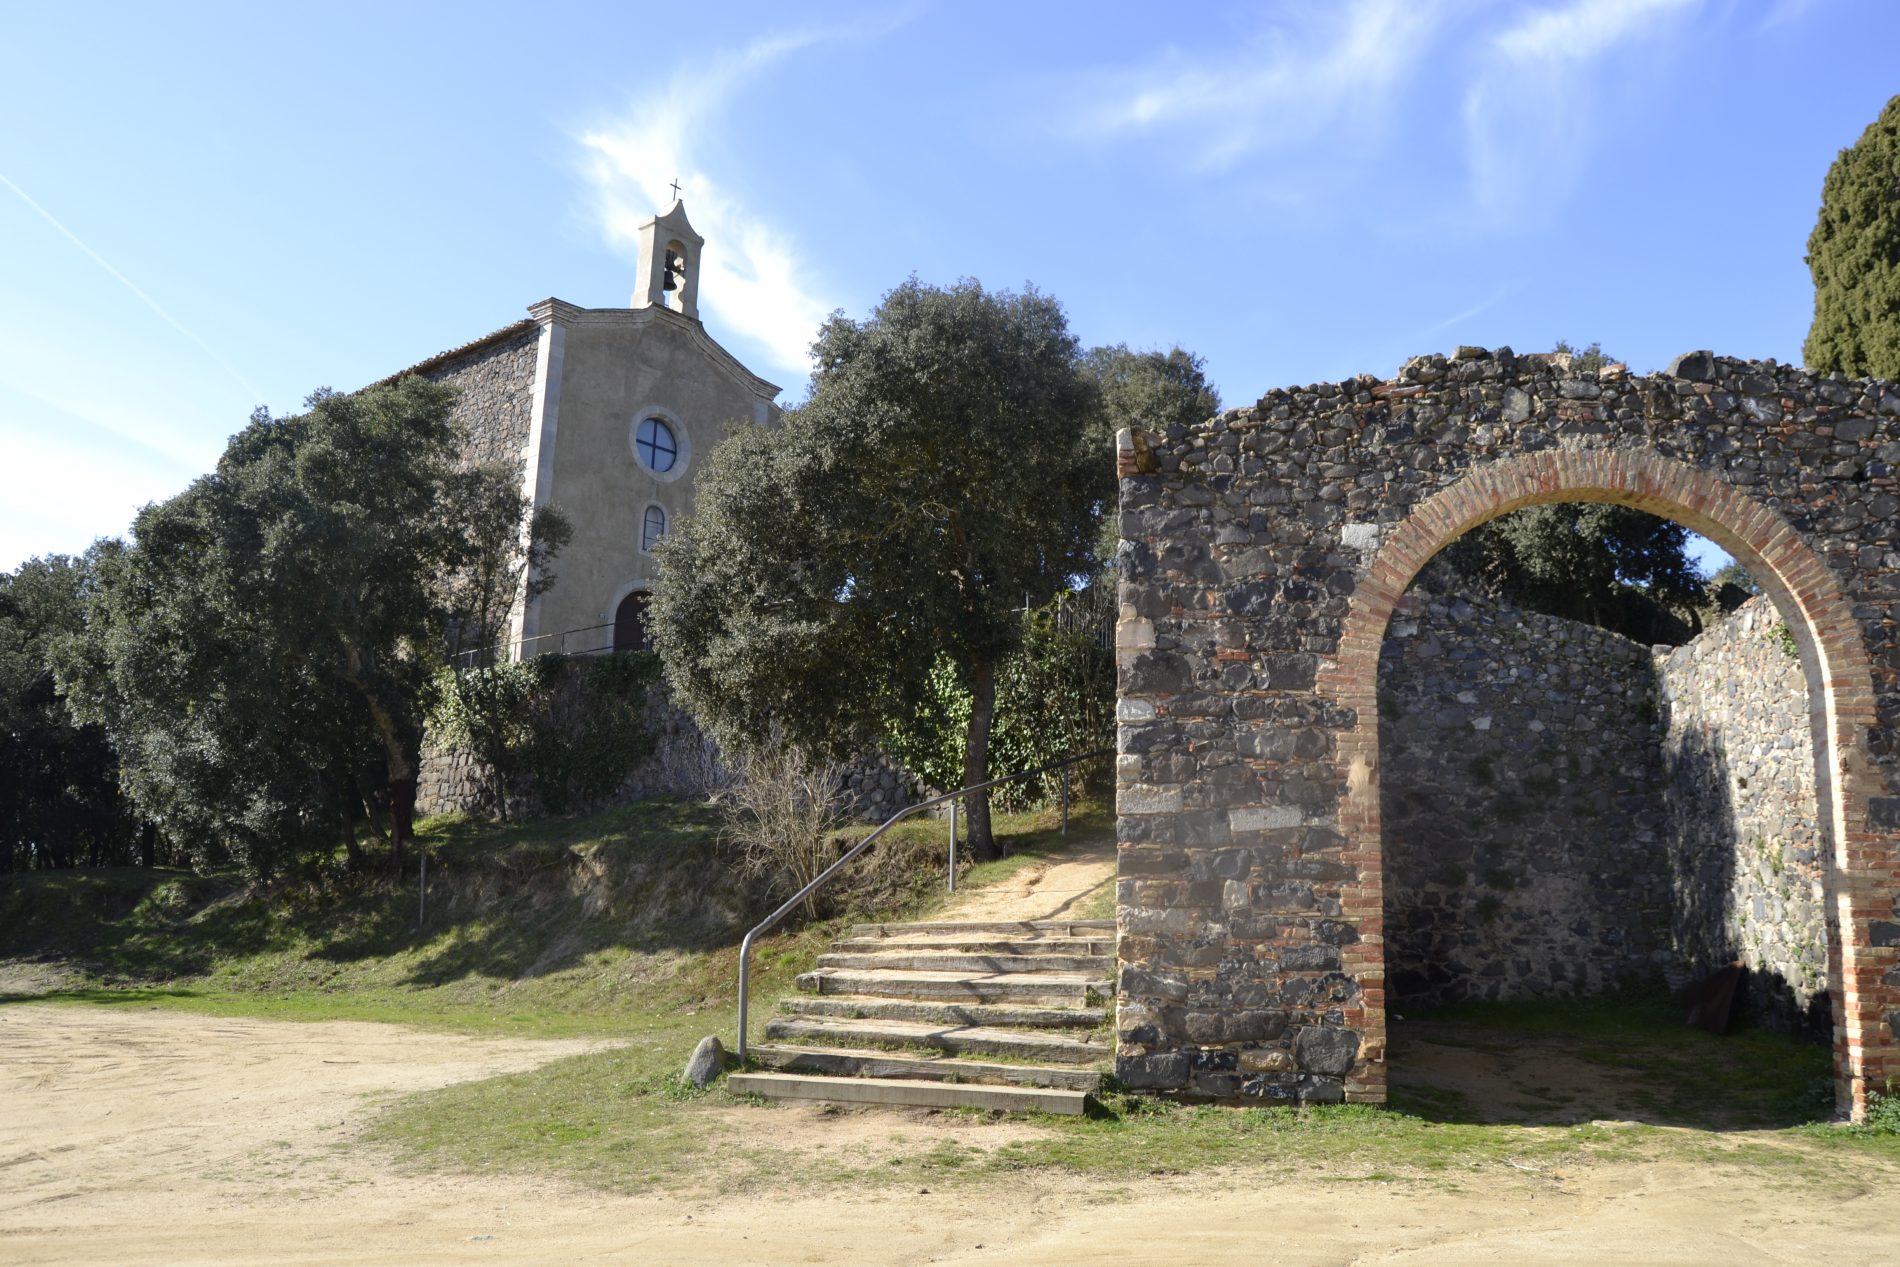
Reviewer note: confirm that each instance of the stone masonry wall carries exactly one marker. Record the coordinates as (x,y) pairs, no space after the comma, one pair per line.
(684,763)
(1522,805)
(1746,850)
(496,404)
(1261,554)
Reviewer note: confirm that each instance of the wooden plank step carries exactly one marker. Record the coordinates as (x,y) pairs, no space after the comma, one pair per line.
(951,961)
(1021,1016)
(908,1092)
(1103,947)
(845,1063)
(1004,927)
(956,987)
(971,1040)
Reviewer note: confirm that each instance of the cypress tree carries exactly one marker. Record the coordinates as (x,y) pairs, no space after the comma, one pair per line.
(1854,254)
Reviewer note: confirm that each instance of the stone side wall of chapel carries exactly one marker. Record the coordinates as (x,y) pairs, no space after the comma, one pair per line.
(496,404)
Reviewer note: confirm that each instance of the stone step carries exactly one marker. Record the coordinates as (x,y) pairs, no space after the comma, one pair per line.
(1020,1017)
(981,944)
(951,961)
(990,928)
(844,1062)
(956,987)
(960,1040)
(908,1092)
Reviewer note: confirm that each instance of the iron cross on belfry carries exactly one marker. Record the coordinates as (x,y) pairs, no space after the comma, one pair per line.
(676,189)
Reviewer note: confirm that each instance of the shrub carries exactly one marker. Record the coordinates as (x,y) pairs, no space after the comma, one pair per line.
(563,731)
(1055,698)
(780,814)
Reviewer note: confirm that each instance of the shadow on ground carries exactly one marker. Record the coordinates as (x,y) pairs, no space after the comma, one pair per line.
(1618,1058)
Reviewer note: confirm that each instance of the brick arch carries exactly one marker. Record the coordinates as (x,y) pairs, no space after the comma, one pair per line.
(1839,672)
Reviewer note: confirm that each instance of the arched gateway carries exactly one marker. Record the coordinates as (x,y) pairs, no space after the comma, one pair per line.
(1263,553)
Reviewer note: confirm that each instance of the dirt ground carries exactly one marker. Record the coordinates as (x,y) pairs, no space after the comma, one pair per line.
(159,1137)
(142,1136)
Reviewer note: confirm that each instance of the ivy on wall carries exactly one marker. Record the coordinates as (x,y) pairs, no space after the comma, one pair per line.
(563,731)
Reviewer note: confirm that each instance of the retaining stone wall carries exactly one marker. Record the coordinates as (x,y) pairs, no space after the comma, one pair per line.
(684,763)
(1261,554)
(1746,850)
(1523,805)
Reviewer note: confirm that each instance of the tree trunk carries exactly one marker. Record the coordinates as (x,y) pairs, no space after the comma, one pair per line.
(397,759)
(148,845)
(976,761)
(352,852)
(402,812)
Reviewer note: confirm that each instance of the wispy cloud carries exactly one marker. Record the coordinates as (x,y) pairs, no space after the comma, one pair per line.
(1783,12)
(1529,112)
(753,276)
(1457,319)
(132,286)
(1522,85)
(1323,68)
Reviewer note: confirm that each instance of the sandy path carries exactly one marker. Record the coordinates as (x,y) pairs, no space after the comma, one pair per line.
(1054,889)
(160,1137)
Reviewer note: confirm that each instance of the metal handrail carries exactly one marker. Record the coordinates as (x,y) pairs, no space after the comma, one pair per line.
(473,657)
(770,921)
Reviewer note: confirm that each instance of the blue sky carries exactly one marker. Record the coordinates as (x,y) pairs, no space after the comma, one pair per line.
(206,207)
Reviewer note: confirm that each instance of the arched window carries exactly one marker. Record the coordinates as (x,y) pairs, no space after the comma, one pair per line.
(653,527)
(656,445)
(630,623)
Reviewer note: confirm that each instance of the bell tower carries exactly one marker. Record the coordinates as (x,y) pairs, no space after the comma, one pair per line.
(669,263)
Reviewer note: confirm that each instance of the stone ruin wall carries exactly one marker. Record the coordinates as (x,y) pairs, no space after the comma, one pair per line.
(1525,829)
(1567,812)
(1260,552)
(1747,853)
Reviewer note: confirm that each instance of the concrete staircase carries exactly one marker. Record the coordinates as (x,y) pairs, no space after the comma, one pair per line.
(1003,1015)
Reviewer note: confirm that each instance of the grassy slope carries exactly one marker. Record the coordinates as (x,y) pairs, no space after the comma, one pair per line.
(603,925)
(624,924)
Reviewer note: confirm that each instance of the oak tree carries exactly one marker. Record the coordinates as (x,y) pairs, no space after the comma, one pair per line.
(947,470)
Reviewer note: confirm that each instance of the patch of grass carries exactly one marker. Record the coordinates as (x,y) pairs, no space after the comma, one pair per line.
(614,926)
(621,925)
(614,1120)
(617,1119)
(1134,1137)
(1099,904)
(591,925)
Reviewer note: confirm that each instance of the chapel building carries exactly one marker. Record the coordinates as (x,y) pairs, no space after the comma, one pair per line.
(606,412)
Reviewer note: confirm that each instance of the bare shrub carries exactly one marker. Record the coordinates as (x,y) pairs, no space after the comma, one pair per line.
(780,814)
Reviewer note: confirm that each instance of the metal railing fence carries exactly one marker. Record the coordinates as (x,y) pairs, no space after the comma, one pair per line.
(588,640)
